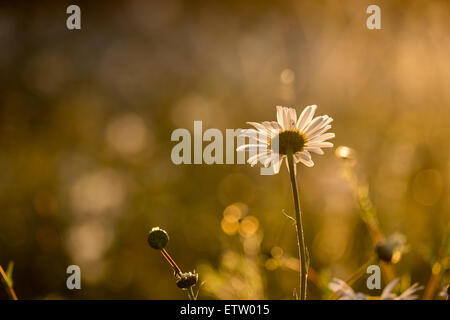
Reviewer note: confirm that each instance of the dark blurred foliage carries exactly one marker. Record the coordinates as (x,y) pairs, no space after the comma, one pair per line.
(86,118)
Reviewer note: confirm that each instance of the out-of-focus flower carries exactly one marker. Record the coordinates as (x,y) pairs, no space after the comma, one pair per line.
(289,134)
(345,153)
(445,292)
(392,248)
(342,289)
(100,192)
(127,134)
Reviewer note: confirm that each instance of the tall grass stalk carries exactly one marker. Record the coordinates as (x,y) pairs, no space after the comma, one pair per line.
(7,284)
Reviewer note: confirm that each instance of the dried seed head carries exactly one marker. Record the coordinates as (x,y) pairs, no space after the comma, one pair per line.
(392,248)
(384,252)
(187,279)
(158,238)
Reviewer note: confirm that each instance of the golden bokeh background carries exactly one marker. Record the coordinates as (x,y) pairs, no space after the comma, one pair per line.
(86,119)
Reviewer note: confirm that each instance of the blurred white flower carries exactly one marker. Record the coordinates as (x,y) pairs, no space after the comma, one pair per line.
(99,192)
(299,136)
(127,134)
(343,290)
(445,292)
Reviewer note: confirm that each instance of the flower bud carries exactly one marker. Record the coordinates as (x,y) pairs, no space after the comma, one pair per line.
(187,279)
(158,238)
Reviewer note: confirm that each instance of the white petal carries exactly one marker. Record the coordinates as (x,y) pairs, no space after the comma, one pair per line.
(292,125)
(306,116)
(326,120)
(287,118)
(264,158)
(315,150)
(248,132)
(269,159)
(387,291)
(304,154)
(293,115)
(250,147)
(304,158)
(254,159)
(276,164)
(319,132)
(316,126)
(275,126)
(257,125)
(253,134)
(260,157)
(262,129)
(320,144)
(408,294)
(272,126)
(315,123)
(322,137)
(281,117)
(341,288)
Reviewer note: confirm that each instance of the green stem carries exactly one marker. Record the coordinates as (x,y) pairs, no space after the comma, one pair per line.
(299,225)
(191,293)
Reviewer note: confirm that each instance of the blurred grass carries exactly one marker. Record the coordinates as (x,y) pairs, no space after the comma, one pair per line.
(86,118)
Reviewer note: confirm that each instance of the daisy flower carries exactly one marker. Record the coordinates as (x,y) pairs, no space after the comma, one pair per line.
(289,134)
(342,289)
(291,139)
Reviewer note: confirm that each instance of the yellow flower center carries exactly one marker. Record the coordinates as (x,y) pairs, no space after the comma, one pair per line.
(288,140)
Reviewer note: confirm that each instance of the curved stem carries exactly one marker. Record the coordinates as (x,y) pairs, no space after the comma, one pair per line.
(172,263)
(299,225)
